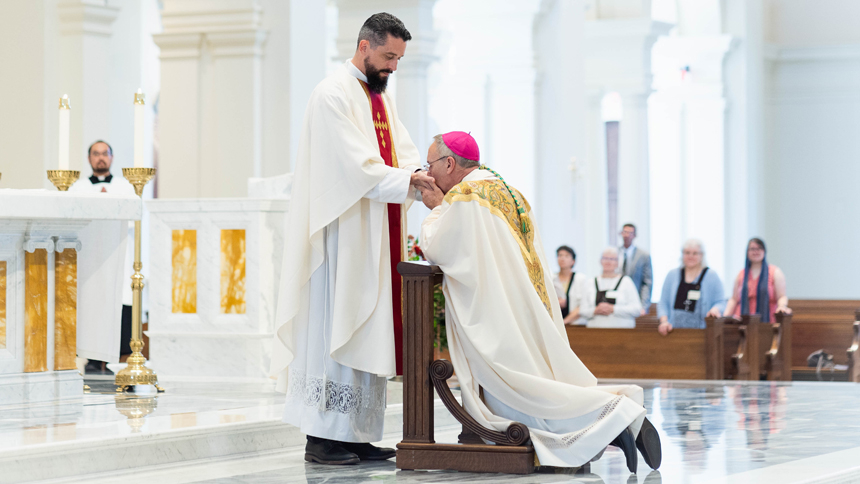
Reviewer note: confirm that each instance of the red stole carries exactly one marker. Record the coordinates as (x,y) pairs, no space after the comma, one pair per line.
(395,241)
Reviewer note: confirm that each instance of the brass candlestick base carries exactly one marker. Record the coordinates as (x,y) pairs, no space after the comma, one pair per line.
(63,179)
(136,373)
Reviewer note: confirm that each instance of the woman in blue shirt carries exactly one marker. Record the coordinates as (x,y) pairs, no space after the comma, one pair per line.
(690,293)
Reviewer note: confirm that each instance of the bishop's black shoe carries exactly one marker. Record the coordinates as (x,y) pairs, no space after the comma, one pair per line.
(648,443)
(324,451)
(366,451)
(627,443)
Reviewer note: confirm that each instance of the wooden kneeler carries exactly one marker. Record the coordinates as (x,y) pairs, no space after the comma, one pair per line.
(513,452)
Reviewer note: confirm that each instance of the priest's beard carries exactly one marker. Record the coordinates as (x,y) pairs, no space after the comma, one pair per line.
(375,82)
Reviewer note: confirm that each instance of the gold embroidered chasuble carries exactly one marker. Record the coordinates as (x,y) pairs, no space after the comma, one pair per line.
(508,343)
(493,195)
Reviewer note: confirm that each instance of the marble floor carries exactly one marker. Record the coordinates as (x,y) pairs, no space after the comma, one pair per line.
(712,432)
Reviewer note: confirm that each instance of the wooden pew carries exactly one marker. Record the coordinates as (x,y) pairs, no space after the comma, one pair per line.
(821,324)
(854,351)
(715,353)
(642,352)
(513,453)
(771,361)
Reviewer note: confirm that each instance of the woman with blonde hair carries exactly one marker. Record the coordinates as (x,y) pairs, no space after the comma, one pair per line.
(691,292)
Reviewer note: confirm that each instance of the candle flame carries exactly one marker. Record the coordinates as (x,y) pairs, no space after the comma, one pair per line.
(64,102)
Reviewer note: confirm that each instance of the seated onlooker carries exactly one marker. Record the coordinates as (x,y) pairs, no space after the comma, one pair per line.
(691,292)
(611,300)
(569,286)
(759,285)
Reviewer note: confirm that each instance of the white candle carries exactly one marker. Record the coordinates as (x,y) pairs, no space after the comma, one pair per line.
(64,133)
(138,128)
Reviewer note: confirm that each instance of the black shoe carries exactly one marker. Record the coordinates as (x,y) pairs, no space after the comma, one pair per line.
(324,451)
(648,443)
(366,451)
(625,442)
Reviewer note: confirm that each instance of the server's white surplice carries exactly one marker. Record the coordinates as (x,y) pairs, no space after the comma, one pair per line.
(506,334)
(334,340)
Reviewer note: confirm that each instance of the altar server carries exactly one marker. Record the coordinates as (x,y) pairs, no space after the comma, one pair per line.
(338,324)
(100,157)
(506,335)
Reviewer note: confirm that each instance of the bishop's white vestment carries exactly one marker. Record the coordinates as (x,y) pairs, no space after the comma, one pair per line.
(505,330)
(334,337)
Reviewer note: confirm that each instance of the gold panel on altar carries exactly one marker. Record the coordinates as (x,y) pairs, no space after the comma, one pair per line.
(36,310)
(184,271)
(2,304)
(233,271)
(65,309)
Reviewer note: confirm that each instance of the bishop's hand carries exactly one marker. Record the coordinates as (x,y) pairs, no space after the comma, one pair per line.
(432,197)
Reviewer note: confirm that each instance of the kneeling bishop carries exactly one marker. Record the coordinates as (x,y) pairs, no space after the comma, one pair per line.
(505,330)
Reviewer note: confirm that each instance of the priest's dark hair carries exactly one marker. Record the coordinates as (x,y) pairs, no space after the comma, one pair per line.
(566,249)
(90,149)
(376,29)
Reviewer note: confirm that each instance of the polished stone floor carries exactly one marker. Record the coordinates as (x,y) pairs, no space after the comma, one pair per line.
(720,432)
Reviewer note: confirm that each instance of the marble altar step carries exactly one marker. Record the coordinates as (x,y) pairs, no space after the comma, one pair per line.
(102,433)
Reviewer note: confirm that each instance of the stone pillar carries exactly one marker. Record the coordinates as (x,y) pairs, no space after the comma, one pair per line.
(562,135)
(210,133)
(619,59)
(688,185)
(85,72)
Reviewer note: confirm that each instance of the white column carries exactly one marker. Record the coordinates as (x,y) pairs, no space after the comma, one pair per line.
(688,186)
(561,133)
(26,54)
(85,65)
(633,171)
(592,190)
(619,59)
(210,114)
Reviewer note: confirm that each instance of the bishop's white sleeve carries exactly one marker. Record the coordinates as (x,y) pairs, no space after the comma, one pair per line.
(628,305)
(428,226)
(394,187)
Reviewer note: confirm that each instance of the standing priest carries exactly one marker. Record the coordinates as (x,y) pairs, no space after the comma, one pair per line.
(338,326)
(507,338)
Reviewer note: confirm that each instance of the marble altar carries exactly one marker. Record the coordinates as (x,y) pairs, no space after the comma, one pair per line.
(61,267)
(214,284)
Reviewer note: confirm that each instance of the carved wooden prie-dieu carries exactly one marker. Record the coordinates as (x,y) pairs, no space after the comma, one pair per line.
(513,453)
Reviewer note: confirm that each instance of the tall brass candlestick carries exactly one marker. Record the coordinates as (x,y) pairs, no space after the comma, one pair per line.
(136,373)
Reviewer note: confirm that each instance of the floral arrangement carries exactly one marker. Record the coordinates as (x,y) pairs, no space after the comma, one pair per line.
(414,253)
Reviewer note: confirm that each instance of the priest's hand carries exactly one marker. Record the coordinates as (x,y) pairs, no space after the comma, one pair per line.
(422,181)
(432,197)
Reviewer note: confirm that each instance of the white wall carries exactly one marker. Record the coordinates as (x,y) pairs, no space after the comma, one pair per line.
(812,169)
(811,166)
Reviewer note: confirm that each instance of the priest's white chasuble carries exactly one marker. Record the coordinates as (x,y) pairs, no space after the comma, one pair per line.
(334,337)
(505,331)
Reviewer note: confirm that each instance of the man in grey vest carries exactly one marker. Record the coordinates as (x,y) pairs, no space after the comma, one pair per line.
(636,264)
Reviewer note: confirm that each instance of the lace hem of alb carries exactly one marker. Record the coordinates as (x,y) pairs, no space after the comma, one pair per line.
(339,397)
(566,440)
